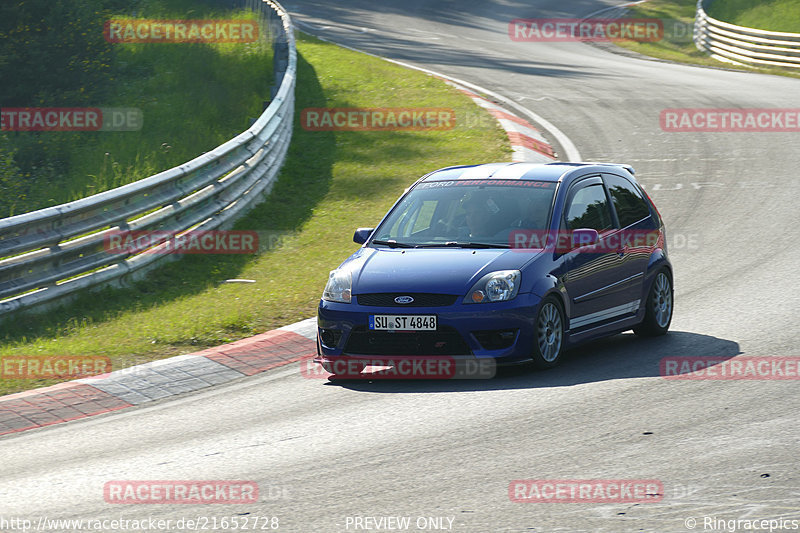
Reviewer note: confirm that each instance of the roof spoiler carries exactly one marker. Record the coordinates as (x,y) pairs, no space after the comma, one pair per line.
(629,168)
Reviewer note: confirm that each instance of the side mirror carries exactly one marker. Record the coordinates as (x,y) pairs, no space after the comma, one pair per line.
(584,237)
(362,234)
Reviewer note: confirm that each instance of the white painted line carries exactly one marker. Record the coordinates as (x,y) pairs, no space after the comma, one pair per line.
(510,125)
(612,8)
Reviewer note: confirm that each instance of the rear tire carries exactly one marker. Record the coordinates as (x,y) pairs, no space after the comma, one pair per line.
(548,338)
(659,305)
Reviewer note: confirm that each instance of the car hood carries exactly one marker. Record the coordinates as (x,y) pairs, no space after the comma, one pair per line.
(433,270)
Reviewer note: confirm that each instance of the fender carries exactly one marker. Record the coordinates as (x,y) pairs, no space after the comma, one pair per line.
(549,284)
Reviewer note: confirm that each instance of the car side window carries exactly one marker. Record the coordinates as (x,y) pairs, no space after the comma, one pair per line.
(628,202)
(589,209)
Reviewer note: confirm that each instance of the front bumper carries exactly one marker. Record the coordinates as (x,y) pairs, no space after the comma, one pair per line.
(502,332)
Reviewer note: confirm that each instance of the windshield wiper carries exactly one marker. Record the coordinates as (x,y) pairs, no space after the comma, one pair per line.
(393,244)
(455,244)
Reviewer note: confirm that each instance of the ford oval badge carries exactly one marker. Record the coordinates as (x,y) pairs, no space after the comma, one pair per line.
(403,300)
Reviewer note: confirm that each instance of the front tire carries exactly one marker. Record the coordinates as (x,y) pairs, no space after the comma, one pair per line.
(658,310)
(548,339)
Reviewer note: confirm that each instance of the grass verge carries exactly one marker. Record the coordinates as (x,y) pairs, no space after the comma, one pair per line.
(192,96)
(772,15)
(677,44)
(332,183)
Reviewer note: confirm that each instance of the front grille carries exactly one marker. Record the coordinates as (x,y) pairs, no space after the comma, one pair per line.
(445,341)
(421,299)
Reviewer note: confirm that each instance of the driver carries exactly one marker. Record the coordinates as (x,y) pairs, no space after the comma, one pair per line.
(481,215)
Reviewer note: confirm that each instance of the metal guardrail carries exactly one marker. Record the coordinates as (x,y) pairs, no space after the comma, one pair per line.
(744,45)
(50,254)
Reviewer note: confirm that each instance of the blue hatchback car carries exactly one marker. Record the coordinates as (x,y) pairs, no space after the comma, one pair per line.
(509,262)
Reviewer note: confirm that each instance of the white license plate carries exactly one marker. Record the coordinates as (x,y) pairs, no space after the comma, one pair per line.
(402,322)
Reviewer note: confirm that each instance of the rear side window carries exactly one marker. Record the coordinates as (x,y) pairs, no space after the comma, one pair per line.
(589,209)
(628,202)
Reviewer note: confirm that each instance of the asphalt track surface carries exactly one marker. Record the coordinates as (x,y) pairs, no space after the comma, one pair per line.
(722,449)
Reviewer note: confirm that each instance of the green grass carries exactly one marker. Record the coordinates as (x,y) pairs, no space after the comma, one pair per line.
(772,15)
(332,183)
(677,45)
(193,98)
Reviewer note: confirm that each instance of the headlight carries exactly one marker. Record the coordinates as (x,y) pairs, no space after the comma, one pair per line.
(338,287)
(494,287)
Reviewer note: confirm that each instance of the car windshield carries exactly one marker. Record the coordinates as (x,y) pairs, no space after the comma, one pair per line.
(469,213)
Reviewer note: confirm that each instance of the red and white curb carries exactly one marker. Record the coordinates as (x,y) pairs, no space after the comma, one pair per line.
(153,381)
(528,143)
(156,380)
